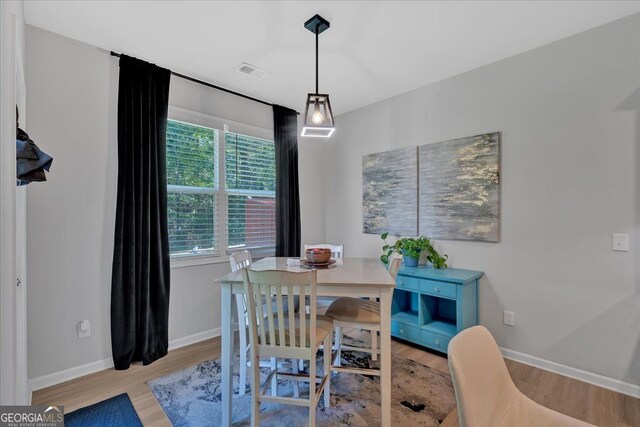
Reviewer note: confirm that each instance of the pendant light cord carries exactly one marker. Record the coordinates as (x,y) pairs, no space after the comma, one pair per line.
(317,59)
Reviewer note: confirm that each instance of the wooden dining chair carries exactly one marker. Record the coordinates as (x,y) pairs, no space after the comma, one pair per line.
(360,314)
(239,260)
(286,335)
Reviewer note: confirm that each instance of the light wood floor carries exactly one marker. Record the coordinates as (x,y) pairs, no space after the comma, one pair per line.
(580,400)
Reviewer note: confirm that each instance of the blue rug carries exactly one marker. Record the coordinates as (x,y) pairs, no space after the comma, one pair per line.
(117,411)
(421,396)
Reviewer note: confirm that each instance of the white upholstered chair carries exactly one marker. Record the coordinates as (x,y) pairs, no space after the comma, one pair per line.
(485,393)
(360,314)
(284,334)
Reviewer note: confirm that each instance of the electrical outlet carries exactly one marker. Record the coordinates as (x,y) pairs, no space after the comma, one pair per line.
(620,242)
(84,329)
(509,318)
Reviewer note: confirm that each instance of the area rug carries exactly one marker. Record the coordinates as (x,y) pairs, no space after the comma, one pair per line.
(421,396)
(116,411)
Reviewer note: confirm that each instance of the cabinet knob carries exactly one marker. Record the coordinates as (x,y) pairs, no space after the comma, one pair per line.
(436,289)
(401,282)
(402,330)
(436,341)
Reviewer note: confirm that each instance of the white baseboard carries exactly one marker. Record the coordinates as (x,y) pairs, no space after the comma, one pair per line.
(100,365)
(69,374)
(575,373)
(192,339)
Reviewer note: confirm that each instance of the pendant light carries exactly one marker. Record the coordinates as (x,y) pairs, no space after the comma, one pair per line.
(318,117)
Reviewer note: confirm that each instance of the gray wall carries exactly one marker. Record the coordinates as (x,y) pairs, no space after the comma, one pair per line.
(570,126)
(72,98)
(570,163)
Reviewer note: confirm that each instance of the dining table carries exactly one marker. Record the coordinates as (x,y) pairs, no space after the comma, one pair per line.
(348,277)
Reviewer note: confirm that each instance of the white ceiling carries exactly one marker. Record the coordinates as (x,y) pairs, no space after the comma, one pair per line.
(373,50)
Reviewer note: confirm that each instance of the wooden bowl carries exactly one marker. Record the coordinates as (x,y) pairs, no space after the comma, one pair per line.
(317,255)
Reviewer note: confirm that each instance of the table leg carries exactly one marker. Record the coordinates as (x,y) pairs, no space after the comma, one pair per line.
(227,355)
(385,355)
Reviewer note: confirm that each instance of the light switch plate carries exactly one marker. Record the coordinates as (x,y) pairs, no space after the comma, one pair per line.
(620,242)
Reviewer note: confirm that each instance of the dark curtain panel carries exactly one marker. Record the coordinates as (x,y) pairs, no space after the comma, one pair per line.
(285,131)
(140,280)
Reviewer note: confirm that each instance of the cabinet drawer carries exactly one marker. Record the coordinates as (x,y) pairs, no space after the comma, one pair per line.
(436,288)
(435,341)
(407,282)
(402,330)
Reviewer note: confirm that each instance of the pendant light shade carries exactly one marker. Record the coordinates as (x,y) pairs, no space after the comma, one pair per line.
(318,116)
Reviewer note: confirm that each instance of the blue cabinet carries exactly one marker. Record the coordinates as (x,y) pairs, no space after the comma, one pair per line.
(431,306)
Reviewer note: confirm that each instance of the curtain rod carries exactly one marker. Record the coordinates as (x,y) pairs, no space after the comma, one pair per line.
(211,85)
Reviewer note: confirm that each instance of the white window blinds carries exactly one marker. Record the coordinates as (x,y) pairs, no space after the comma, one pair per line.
(250,181)
(191,188)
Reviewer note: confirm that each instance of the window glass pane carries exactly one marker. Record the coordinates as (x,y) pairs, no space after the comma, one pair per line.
(191,152)
(191,223)
(191,163)
(251,221)
(250,163)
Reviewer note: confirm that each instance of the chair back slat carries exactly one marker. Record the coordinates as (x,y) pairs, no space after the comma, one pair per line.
(292,316)
(258,304)
(269,323)
(303,317)
(266,292)
(280,313)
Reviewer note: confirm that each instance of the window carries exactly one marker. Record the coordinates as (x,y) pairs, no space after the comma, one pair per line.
(191,188)
(206,218)
(251,190)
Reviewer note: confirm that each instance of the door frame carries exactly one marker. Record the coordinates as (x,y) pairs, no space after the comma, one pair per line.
(13,372)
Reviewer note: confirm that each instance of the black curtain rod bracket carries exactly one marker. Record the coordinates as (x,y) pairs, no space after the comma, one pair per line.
(232,92)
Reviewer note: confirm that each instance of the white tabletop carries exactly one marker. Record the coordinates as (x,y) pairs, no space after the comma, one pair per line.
(346,271)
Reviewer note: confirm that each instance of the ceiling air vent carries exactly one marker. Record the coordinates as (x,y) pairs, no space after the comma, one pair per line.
(252,71)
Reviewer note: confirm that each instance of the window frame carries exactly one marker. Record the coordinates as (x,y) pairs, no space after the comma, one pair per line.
(222,126)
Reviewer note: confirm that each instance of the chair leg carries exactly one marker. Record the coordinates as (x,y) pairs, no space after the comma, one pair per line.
(374,345)
(242,384)
(312,392)
(255,392)
(312,415)
(242,331)
(338,344)
(327,370)
(274,380)
(296,386)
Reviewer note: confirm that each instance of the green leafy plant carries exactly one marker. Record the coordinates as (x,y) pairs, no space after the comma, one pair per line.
(413,248)
(438,261)
(387,249)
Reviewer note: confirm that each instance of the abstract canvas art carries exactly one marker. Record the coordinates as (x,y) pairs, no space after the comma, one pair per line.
(390,192)
(460,188)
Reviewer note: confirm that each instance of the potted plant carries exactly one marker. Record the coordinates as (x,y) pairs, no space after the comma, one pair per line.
(411,248)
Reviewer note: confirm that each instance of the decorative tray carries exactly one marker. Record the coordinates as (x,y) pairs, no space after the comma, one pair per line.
(306,264)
